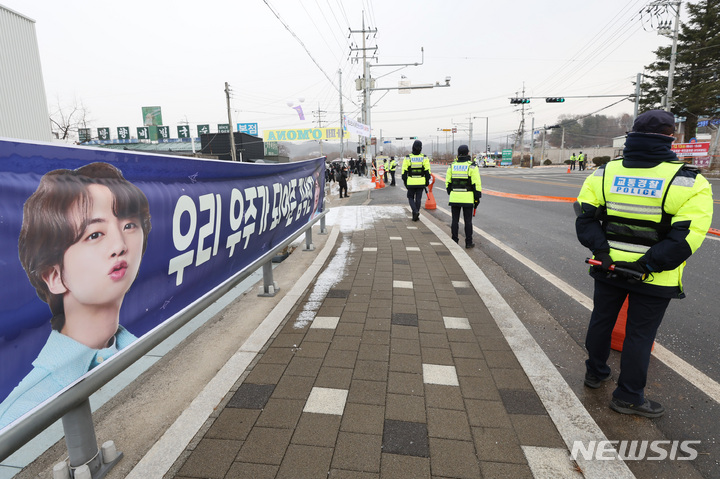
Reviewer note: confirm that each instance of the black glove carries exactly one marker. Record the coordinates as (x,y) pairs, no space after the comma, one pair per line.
(630,268)
(604,257)
(448,190)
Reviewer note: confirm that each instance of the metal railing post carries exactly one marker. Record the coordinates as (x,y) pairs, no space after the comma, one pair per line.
(323,229)
(269,286)
(82,443)
(309,246)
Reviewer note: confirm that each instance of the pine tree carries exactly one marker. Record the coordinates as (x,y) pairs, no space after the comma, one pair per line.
(696,82)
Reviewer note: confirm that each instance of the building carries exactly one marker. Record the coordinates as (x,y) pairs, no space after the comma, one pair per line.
(23,104)
(247,147)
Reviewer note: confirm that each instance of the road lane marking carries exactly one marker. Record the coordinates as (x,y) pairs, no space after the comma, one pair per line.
(696,377)
(572,420)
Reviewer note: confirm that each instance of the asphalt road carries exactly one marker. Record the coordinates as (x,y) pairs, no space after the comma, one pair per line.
(543,232)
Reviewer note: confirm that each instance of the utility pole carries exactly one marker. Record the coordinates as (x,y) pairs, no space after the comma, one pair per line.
(368,83)
(532,141)
(487,128)
(673,56)
(319,114)
(342,118)
(365,84)
(233,154)
(663,7)
(637,95)
(520,137)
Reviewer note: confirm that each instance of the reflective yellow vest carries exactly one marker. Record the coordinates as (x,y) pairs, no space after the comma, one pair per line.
(640,207)
(416,166)
(463,177)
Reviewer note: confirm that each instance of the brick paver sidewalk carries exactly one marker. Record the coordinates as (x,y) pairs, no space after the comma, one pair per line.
(394,370)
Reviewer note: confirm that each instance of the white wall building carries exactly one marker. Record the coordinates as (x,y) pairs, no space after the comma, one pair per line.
(23,104)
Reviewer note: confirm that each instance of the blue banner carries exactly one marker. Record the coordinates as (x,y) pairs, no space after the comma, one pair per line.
(98,247)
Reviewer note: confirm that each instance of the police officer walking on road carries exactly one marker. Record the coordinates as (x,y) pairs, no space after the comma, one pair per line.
(392,166)
(463,185)
(645,213)
(416,176)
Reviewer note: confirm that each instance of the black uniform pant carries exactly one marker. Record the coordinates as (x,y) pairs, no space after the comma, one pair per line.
(392,177)
(343,187)
(414,194)
(467,211)
(644,315)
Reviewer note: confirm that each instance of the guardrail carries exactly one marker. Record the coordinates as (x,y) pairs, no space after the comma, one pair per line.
(73,404)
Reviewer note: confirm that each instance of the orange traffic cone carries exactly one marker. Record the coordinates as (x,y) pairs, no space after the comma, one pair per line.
(430,203)
(568,169)
(382,183)
(618,333)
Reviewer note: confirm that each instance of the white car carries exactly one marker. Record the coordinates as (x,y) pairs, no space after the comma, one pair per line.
(487,162)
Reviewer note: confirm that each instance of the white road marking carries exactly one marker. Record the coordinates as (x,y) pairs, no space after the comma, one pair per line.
(696,377)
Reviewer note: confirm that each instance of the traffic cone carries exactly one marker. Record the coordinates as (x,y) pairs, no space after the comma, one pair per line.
(377,183)
(430,203)
(568,169)
(380,180)
(618,334)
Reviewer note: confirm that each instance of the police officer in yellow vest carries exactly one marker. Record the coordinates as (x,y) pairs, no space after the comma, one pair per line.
(416,176)
(646,212)
(392,167)
(573,159)
(463,185)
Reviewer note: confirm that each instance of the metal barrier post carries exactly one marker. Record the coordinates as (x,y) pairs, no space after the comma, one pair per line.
(323,229)
(269,286)
(309,246)
(82,443)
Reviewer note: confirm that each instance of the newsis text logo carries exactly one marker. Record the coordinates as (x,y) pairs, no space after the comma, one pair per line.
(657,450)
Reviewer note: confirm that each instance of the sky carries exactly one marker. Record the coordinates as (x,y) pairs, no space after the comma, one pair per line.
(115,58)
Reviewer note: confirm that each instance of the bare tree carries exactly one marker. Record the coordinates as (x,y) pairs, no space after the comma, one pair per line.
(67,118)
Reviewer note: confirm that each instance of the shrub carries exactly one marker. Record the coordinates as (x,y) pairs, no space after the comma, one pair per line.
(600,160)
(547,162)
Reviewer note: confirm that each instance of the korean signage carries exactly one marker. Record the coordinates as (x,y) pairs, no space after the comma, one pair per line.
(249,128)
(223,128)
(186,226)
(103,134)
(691,149)
(84,135)
(183,131)
(506,157)
(355,127)
(163,132)
(203,129)
(143,133)
(271,148)
(123,133)
(302,134)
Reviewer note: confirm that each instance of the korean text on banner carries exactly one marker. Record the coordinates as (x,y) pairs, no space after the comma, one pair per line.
(116,243)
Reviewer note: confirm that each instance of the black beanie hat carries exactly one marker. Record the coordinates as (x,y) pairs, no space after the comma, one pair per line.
(417,147)
(463,150)
(655,121)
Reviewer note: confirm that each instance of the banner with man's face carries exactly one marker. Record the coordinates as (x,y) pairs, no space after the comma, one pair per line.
(91,238)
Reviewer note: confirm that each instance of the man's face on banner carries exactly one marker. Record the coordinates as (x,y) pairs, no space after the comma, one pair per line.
(100,268)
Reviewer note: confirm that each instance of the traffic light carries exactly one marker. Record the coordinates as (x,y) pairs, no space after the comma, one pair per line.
(519,100)
(554,99)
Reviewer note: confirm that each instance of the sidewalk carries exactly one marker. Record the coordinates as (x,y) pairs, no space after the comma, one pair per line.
(392,365)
